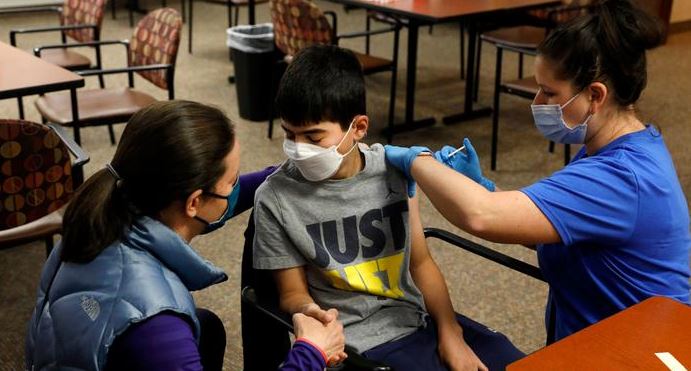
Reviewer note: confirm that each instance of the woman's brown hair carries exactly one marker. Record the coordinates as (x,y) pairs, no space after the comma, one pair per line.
(167,151)
(608,45)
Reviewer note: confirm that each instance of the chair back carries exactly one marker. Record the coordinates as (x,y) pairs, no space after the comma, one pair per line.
(35,172)
(78,12)
(298,24)
(156,40)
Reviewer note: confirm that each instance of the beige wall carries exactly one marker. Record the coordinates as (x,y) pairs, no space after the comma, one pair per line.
(681,11)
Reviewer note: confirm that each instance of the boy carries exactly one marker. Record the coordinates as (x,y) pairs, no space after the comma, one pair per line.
(335,225)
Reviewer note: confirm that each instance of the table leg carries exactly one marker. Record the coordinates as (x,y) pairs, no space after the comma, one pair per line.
(469,113)
(20,107)
(250,11)
(189,25)
(78,175)
(410,123)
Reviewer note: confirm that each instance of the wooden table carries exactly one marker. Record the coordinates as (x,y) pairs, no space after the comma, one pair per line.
(421,12)
(24,74)
(627,340)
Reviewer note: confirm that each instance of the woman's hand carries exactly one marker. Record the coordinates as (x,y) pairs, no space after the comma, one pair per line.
(457,355)
(328,337)
(467,163)
(315,311)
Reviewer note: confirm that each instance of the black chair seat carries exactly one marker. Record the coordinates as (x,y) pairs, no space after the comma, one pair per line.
(526,87)
(522,37)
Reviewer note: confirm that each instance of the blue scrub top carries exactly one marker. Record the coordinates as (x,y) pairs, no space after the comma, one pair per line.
(624,226)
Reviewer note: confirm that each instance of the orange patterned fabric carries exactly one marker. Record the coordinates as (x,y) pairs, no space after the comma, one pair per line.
(155,41)
(298,24)
(35,172)
(77,12)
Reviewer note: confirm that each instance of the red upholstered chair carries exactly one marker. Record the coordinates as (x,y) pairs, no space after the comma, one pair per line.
(37,179)
(300,23)
(151,53)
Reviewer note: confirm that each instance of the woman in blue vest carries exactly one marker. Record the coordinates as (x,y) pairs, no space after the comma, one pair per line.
(612,227)
(115,292)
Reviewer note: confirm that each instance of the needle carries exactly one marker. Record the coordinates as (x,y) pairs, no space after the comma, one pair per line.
(456,151)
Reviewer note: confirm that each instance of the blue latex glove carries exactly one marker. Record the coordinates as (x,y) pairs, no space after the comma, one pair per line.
(402,159)
(467,163)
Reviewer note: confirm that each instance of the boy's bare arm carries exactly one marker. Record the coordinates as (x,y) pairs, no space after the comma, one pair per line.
(295,297)
(452,348)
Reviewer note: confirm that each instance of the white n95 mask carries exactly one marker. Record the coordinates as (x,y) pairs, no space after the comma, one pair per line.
(549,120)
(314,162)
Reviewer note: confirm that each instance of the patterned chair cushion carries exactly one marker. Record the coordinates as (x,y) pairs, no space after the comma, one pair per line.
(35,172)
(76,12)
(155,41)
(298,24)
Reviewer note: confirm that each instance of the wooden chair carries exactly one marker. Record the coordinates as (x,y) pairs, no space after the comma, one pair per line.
(300,23)
(38,178)
(151,53)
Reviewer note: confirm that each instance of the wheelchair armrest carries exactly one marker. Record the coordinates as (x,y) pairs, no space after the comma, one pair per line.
(485,252)
(250,297)
(355,360)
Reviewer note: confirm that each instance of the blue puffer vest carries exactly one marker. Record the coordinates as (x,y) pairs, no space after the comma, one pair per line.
(82,308)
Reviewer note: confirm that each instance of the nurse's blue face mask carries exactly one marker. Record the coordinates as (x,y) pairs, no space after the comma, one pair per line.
(549,119)
(232,200)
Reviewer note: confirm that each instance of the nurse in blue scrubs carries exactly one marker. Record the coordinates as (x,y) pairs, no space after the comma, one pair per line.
(612,227)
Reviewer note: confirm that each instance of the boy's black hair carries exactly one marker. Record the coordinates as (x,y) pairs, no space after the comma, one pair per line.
(322,83)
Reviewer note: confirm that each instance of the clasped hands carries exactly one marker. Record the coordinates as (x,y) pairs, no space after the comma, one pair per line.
(322,328)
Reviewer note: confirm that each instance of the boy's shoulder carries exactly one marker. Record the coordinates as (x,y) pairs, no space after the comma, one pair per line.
(275,180)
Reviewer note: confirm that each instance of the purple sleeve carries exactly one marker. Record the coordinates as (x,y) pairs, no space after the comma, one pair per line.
(161,343)
(303,357)
(248,186)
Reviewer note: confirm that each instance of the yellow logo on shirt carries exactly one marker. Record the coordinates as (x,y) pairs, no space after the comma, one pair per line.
(376,277)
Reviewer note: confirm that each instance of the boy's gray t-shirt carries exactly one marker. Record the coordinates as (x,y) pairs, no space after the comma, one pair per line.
(353,238)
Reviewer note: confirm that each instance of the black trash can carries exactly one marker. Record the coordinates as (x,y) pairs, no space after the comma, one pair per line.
(257,70)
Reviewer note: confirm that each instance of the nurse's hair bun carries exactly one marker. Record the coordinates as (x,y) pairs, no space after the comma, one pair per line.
(627,27)
(607,45)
